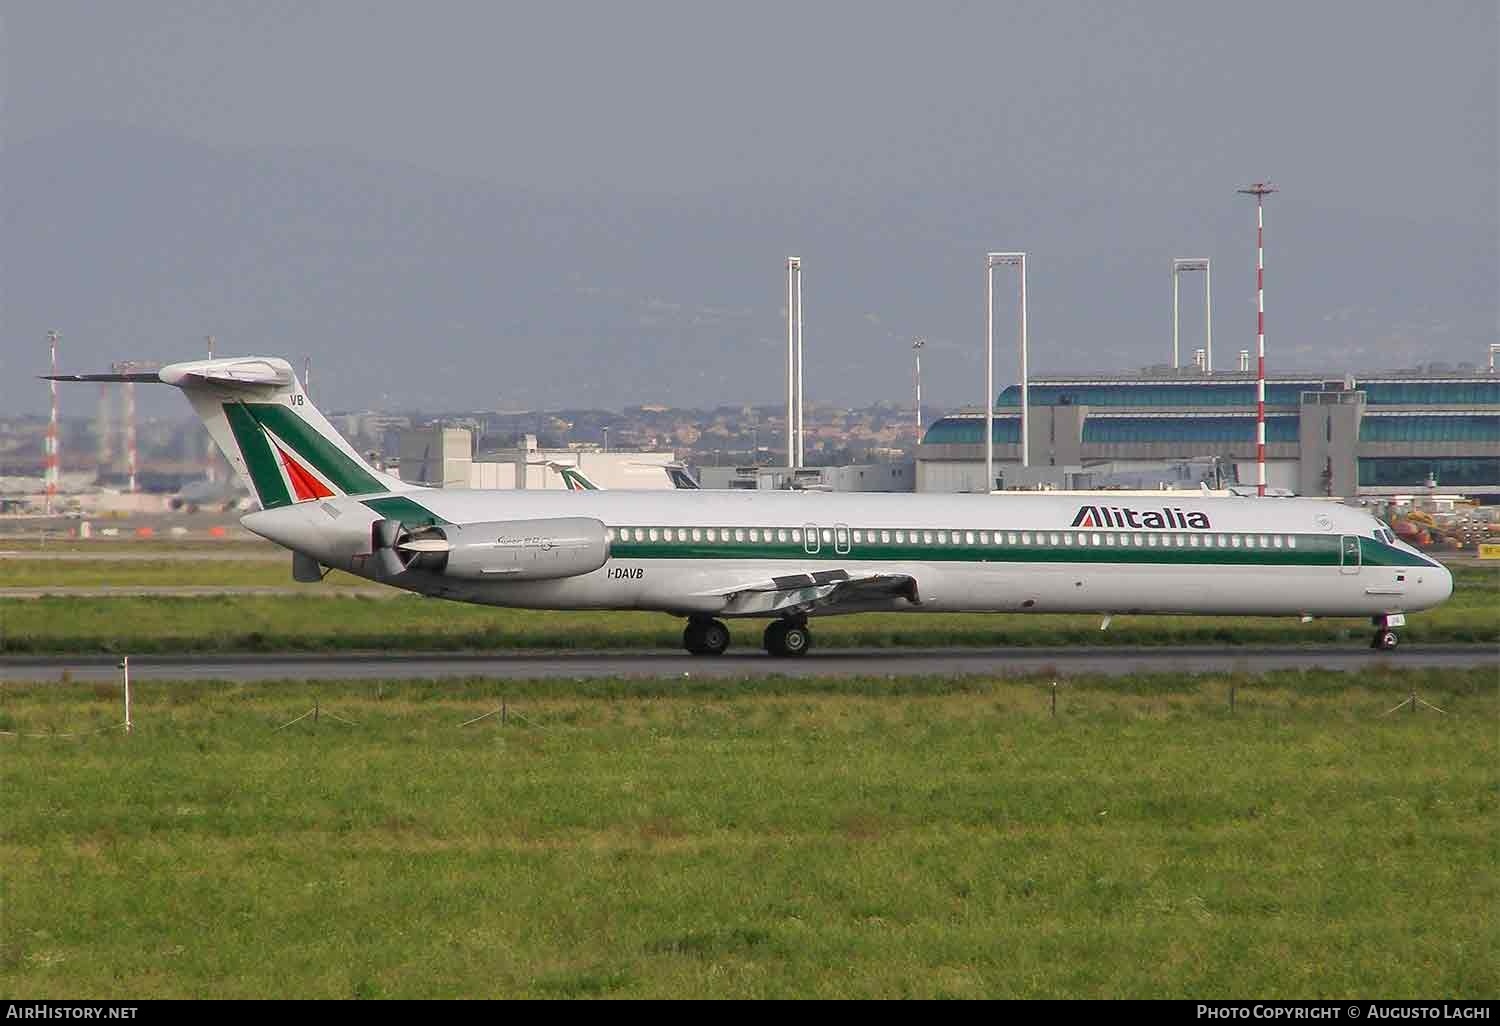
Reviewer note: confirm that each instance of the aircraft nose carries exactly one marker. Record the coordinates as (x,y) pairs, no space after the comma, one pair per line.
(1443,585)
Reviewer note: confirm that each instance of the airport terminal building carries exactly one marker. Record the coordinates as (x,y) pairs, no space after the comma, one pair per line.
(1386,434)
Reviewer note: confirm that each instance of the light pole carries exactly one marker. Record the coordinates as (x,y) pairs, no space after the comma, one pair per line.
(1260,190)
(992,261)
(51,460)
(793,362)
(606,438)
(1195,264)
(917,347)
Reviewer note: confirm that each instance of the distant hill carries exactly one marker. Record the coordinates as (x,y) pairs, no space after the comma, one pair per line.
(411,289)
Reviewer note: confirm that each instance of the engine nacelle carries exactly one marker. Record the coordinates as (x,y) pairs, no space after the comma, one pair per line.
(506,550)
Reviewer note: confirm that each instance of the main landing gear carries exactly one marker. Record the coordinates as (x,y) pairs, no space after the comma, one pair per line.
(705,637)
(788,638)
(1386,638)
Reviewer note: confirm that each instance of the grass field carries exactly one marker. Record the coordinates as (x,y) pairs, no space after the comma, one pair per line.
(924,837)
(143,625)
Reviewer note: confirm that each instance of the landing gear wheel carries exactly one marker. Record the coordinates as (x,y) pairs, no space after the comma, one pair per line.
(785,638)
(1386,640)
(705,637)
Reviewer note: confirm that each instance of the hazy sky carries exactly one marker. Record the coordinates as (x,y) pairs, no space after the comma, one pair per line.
(1377,103)
(1106,136)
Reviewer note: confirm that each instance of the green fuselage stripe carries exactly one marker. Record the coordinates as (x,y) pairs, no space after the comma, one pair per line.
(259,459)
(1311,550)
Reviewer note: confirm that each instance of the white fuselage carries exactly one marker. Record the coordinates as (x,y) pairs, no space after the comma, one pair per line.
(694,552)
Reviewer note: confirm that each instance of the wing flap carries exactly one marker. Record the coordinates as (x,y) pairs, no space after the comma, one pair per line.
(799,594)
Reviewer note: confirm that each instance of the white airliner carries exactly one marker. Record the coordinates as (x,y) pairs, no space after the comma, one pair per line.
(706,555)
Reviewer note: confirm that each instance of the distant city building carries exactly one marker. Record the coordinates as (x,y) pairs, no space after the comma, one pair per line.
(443,457)
(1376,435)
(871,477)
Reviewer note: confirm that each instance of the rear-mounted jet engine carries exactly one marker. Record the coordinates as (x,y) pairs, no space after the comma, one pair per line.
(505,550)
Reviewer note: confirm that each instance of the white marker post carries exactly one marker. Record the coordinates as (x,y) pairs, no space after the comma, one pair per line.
(125,673)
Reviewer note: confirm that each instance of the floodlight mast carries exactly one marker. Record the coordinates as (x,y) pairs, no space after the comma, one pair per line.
(51,463)
(1260,190)
(793,266)
(992,261)
(1194,264)
(917,345)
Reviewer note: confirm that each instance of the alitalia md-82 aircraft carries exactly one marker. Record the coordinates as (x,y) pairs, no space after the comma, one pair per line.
(788,556)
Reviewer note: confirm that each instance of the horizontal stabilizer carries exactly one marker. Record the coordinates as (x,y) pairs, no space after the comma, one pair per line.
(139,376)
(251,372)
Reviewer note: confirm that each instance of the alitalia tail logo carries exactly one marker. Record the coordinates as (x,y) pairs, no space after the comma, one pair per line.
(1164,519)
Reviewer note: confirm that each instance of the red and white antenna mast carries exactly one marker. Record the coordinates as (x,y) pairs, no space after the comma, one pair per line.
(1260,190)
(50,461)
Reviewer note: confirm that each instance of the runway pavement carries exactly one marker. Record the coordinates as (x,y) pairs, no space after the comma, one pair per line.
(745,664)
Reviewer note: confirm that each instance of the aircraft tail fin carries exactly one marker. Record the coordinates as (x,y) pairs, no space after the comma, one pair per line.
(263,421)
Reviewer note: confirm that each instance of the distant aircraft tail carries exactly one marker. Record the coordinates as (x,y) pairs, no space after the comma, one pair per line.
(258,413)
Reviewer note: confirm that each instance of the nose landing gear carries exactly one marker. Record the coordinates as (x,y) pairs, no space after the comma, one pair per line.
(1386,638)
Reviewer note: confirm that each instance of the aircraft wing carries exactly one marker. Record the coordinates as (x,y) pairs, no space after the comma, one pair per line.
(799,594)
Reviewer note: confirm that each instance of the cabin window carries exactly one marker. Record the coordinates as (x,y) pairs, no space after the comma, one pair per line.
(652,534)
(1067,539)
(984,537)
(1011,538)
(1265,541)
(969,538)
(1098,540)
(858,537)
(1083,539)
(739,534)
(1151,541)
(1109,539)
(1291,541)
(926,537)
(1234,540)
(1276,540)
(942,537)
(1055,539)
(1208,541)
(900,537)
(797,535)
(1193,540)
(1025,538)
(754,535)
(667,534)
(609,534)
(885,537)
